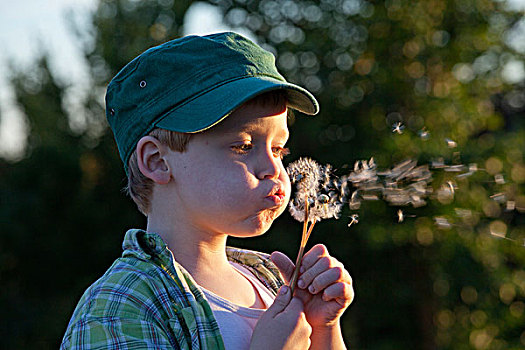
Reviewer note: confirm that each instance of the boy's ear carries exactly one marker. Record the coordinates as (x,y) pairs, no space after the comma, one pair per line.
(152,161)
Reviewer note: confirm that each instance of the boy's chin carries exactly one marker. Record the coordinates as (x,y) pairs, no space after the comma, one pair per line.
(249,234)
(258,227)
(258,224)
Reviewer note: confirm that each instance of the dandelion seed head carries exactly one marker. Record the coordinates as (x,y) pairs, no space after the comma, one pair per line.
(317,186)
(323,199)
(296,212)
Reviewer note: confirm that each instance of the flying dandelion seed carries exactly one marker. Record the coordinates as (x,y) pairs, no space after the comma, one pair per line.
(473,167)
(465,175)
(442,222)
(320,194)
(455,168)
(498,229)
(370,197)
(354,202)
(401,216)
(499,197)
(463,213)
(438,163)
(452,187)
(424,134)
(451,143)
(354,219)
(398,127)
(445,194)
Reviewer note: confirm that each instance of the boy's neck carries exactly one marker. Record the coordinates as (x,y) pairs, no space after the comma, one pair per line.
(203,255)
(200,253)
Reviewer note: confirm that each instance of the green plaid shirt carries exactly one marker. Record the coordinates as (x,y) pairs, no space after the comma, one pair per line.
(148,301)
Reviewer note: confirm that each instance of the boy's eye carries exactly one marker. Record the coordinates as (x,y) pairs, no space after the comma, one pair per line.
(281,152)
(242,148)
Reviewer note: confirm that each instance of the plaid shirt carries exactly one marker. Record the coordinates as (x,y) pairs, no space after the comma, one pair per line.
(148,301)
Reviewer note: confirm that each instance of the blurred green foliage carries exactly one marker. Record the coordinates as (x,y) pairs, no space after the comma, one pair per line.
(437,66)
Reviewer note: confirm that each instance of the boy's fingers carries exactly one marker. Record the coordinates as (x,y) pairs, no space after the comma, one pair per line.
(310,273)
(327,278)
(282,299)
(311,257)
(342,292)
(284,264)
(295,307)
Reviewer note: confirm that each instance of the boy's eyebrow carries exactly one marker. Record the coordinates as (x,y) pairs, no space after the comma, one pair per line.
(251,129)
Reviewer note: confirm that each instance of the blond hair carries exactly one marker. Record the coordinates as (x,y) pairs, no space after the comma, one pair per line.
(140,187)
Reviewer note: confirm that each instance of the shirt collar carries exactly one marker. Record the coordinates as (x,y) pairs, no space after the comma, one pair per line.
(145,245)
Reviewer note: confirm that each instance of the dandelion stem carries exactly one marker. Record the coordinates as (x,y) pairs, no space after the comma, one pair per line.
(304,238)
(293,281)
(309,232)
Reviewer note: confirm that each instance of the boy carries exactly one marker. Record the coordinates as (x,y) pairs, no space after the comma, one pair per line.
(201,126)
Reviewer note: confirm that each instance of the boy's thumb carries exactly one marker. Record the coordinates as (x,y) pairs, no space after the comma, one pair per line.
(284,264)
(281,301)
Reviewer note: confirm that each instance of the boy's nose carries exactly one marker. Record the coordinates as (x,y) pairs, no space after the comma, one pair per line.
(268,165)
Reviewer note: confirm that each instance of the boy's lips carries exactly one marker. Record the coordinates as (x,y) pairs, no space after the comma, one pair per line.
(276,195)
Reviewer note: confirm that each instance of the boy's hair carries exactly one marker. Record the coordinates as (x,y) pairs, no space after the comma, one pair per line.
(140,187)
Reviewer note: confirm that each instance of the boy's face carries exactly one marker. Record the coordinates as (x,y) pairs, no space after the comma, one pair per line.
(231,179)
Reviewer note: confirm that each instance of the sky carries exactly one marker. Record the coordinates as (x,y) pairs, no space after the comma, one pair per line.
(28,27)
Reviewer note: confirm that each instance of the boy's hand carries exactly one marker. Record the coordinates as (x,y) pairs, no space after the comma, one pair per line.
(324,285)
(283,325)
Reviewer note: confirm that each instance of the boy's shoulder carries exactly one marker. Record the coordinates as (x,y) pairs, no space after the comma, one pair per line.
(133,285)
(259,264)
(128,287)
(136,296)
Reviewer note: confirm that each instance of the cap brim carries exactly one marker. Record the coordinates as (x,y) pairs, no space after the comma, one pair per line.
(207,109)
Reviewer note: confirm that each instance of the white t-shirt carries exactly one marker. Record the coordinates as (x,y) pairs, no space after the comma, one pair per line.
(236,323)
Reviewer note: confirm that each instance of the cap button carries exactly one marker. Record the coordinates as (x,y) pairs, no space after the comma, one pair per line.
(142,84)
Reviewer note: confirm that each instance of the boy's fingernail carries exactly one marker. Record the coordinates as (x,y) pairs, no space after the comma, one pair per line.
(300,284)
(311,289)
(301,269)
(283,290)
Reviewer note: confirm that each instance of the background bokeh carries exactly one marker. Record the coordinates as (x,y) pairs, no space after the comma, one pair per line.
(445,69)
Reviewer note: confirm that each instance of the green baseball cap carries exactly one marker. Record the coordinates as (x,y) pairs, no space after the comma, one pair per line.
(190,84)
